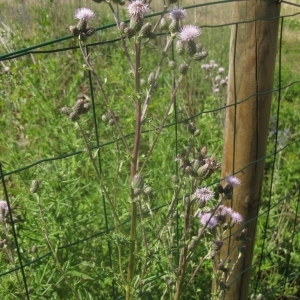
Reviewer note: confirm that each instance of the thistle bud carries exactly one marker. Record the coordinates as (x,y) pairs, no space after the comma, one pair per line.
(111,122)
(78,106)
(196,163)
(66,110)
(129,32)
(228,191)
(199,47)
(104,118)
(192,127)
(203,151)
(200,55)
(137,182)
(90,31)
(146,30)
(82,36)
(86,107)
(217,245)
(136,22)
(180,47)
(191,47)
(82,25)
(197,132)
(183,68)
(34,249)
(74,116)
(34,186)
(203,170)
(75,31)
(137,192)
(148,191)
(220,189)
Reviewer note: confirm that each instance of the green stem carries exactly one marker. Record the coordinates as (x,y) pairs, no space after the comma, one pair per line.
(134,170)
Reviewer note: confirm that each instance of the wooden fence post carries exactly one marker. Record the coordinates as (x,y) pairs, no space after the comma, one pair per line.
(251,71)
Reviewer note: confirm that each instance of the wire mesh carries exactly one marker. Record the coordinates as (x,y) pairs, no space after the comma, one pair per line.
(279,207)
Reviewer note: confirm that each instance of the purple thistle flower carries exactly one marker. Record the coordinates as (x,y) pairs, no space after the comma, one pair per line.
(233,181)
(204,194)
(84,14)
(3,209)
(236,217)
(222,210)
(206,219)
(177,14)
(221,70)
(137,8)
(189,33)
(3,205)
(205,67)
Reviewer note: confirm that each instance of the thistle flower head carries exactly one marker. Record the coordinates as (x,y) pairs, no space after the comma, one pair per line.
(177,14)
(236,217)
(232,180)
(3,209)
(137,8)
(206,219)
(84,14)
(204,194)
(3,205)
(221,70)
(189,33)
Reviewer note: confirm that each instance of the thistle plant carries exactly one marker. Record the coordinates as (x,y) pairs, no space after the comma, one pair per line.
(196,213)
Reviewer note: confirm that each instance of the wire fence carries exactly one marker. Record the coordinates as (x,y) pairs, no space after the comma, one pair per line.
(84,232)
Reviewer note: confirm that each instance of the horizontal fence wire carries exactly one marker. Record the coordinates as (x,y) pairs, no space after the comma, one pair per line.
(294,195)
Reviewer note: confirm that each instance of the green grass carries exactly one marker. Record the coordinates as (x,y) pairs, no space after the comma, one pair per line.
(33,130)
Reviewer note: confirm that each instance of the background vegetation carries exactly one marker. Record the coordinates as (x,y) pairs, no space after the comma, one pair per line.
(34,134)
